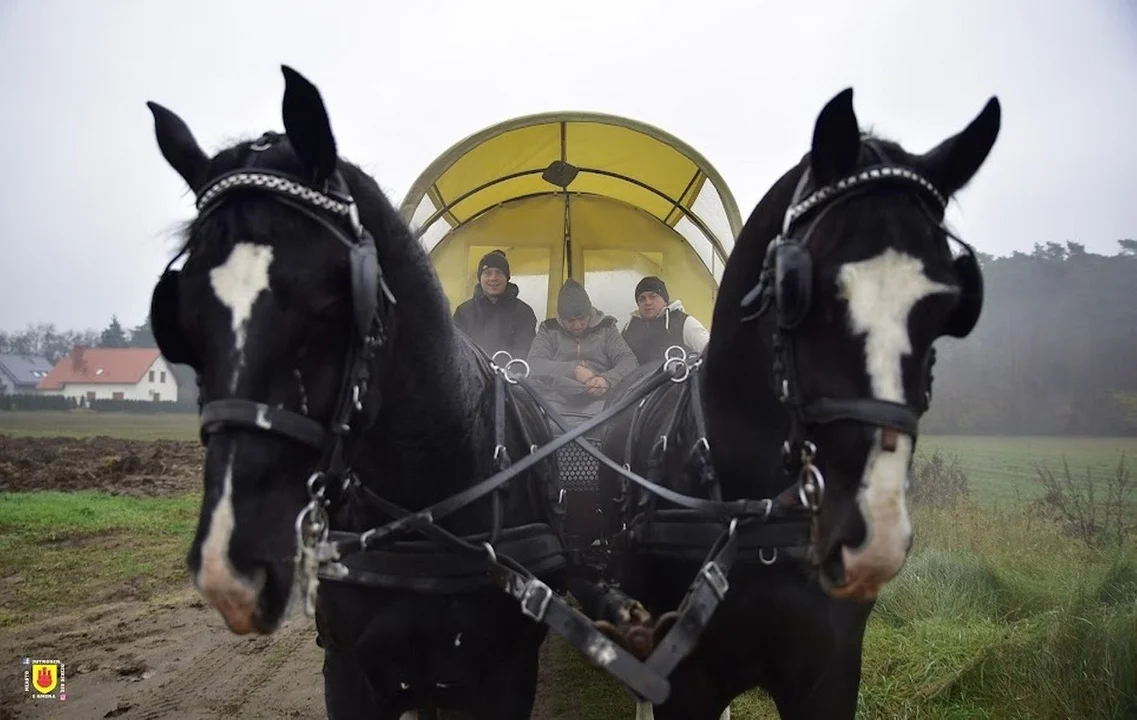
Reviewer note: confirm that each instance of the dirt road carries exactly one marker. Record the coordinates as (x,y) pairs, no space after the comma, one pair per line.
(166,657)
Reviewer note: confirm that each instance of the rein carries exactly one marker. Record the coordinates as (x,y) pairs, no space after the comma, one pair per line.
(326,555)
(336,556)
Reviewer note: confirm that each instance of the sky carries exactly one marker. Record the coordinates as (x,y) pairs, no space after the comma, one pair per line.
(88,207)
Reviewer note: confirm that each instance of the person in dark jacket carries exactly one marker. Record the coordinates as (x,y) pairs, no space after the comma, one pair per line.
(659,323)
(495,317)
(579,355)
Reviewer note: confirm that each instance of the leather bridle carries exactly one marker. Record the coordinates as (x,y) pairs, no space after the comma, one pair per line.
(785,284)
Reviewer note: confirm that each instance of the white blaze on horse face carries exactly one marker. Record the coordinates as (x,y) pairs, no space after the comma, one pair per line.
(237,283)
(220,585)
(881,293)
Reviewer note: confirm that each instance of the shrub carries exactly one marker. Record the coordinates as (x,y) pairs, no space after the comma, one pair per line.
(35,402)
(142,406)
(938,482)
(1099,517)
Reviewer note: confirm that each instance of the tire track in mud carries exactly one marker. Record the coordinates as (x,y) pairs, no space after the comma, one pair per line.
(169,656)
(174,660)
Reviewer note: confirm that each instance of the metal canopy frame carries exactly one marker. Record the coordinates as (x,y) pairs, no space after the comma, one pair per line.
(426,182)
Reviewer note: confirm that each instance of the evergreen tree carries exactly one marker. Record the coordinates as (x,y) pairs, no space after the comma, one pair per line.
(142,336)
(114,336)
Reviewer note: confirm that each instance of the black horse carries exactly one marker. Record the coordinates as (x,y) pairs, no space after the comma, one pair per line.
(817,371)
(323,341)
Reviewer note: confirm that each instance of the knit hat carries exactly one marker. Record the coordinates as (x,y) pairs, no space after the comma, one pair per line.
(494,259)
(573,301)
(652,284)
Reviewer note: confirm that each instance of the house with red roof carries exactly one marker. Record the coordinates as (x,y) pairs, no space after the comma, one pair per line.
(112,374)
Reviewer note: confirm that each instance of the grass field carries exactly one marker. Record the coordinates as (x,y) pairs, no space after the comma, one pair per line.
(63,550)
(996,614)
(130,426)
(1000,468)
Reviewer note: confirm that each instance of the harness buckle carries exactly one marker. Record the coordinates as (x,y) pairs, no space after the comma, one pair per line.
(712,573)
(535,599)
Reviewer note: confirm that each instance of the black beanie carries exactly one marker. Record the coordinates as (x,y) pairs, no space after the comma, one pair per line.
(573,301)
(494,259)
(652,284)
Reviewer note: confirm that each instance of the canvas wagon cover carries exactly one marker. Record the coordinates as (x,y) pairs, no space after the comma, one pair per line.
(642,203)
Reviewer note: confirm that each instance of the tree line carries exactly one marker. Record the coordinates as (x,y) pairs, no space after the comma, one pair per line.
(1055,350)
(1054,353)
(48,341)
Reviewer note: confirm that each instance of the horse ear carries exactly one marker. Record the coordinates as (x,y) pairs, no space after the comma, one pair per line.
(836,140)
(178,146)
(306,123)
(951,164)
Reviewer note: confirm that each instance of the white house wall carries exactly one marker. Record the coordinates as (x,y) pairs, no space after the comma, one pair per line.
(103,391)
(167,389)
(145,389)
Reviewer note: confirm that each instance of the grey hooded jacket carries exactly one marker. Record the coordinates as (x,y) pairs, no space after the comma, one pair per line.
(555,354)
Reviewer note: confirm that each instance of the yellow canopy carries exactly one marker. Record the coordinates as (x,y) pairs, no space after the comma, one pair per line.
(599,198)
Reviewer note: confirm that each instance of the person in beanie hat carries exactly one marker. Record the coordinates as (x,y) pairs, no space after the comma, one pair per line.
(579,355)
(495,317)
(658,323)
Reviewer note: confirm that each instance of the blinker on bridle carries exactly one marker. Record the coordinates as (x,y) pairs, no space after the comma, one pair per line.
(371,301)
(785,284)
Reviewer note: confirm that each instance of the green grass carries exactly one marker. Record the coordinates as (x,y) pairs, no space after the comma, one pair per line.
(1001,469)
(996,615)
(63,550)
(993,616)
(129,426)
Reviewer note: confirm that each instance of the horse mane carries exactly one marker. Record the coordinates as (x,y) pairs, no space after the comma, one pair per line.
(433,389)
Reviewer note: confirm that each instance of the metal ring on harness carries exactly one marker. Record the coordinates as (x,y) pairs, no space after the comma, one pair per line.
(316,525)
(811,478)
(493,358)
(509,378)
(680,378)
(762,556)
(667,354)
(366,538)
(670,360)
(312,482)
